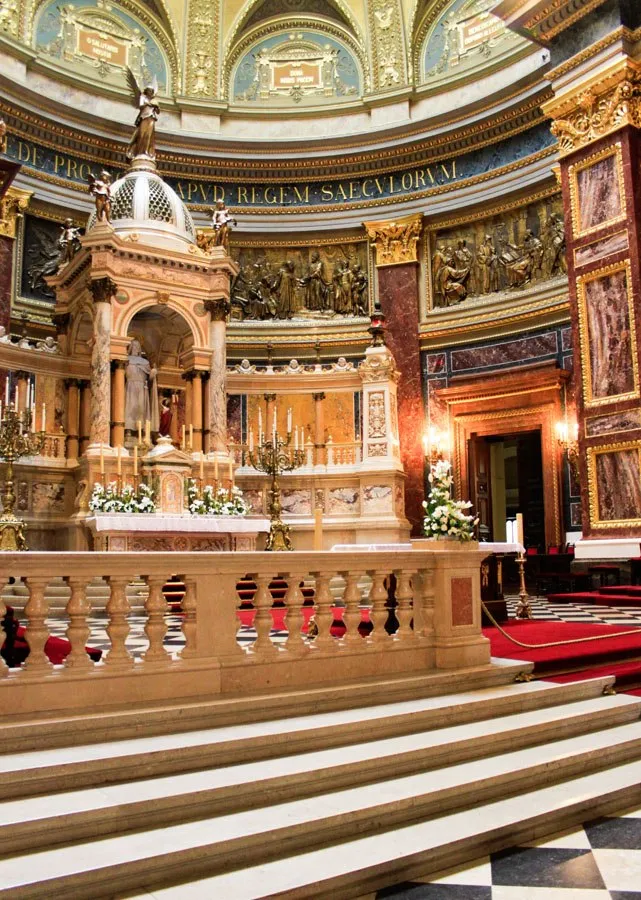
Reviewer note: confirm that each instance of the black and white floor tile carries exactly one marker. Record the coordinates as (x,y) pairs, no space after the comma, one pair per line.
(580,612)
(599,861)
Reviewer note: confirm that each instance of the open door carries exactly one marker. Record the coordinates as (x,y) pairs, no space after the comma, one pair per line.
(480,493)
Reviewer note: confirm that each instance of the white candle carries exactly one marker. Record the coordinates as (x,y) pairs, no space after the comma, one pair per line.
(44,416)
(139,426)
(289,420)
(102,461)
(260,418)
(216,469)
(119,463)
(147,431)
(191,437)
(202,466)
(251,440)
(28,403)
(33,416)
(182,446)
(6,391)
(519,529)
(135,459)
(296,439)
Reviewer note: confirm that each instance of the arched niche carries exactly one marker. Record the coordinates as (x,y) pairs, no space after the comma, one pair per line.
(457,40)
(296,65)
(97,42)
(165,335)
(81,337)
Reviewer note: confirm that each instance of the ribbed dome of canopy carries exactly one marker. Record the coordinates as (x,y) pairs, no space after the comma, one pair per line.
(143,204)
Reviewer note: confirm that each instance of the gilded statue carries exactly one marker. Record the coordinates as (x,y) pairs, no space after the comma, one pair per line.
(101,189)
(143,141)
(68,242)
(222,222)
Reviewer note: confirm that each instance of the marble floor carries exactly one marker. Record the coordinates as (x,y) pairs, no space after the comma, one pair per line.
(599,861)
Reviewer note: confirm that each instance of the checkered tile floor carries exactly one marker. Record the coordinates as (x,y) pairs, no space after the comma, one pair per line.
(580,612)
(600,861)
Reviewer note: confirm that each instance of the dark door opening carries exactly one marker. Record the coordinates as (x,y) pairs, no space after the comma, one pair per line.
(506,477)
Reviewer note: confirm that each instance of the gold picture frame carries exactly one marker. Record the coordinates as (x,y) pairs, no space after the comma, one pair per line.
(579,201)
(596,519)
(590,400)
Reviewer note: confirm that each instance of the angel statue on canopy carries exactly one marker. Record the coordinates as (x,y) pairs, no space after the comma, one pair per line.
(143,141)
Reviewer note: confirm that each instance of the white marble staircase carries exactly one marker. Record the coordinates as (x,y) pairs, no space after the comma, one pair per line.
(308,794)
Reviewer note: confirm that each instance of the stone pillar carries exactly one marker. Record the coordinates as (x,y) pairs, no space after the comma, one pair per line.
(22,382)
(174,430)
(596,116)
(217,394)
(118,367)
(205,389)
(319,426)
(85,415)
(102,290)
(197,410)
(73,414)
(398,273)
(188,377)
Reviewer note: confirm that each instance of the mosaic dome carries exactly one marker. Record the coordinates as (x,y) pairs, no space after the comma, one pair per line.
(143,204)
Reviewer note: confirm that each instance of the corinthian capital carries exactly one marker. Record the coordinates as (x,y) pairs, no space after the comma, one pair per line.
(395,241)
(12,206)
(217,309)
(102,289)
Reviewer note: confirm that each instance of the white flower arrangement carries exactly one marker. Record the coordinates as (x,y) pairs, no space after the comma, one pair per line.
(107,498)
(212,502)
(445,517)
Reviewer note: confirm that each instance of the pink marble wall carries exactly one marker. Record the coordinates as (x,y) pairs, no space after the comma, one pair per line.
(398,292)
(462,602)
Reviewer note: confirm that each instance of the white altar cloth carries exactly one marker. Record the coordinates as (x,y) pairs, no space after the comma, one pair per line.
(501,547)
(139,532)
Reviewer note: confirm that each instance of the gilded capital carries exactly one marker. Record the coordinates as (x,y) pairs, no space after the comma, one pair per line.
(597,109)
(217,309)
(103,289)
(12,206)
(395,241)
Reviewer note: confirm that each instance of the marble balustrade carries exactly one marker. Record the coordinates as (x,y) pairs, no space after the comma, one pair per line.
(437,622)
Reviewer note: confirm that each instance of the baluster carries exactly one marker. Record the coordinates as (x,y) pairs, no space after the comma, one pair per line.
(424,614)
(155,627)
(378,610)
(404,608)
(352,612)
(324,617)
(4,668)
(330,451)
(263,645)
(295,619)
(37,633)
(78,609)
(189,621)
(118,626)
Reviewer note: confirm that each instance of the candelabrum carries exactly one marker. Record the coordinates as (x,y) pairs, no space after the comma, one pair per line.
(275,457)
(16,440)
(523,607)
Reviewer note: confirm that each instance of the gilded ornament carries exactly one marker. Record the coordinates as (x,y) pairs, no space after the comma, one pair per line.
(12,205)
(396,241)
(202,48)
(3,136)
(597,114)
(388,45)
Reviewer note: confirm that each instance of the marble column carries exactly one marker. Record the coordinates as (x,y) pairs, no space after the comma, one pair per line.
(217,393)
(84,427)
(174,427)
(118,367)
(205,379)
(600,174)
(319,426)
(102,290)
(398,291)
(188,378)
(73,414)
(6,269)
(197,411)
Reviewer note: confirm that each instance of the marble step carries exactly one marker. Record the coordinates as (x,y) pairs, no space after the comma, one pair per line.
(112,762)
(41,731)
(37,822)
(108,866)
(356,867)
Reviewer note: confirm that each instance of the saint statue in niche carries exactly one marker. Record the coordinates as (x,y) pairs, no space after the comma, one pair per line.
(164,427)
(143,141)
(141,397)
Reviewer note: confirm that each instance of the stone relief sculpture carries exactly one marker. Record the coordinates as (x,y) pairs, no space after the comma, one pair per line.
(501,254)
(310,283)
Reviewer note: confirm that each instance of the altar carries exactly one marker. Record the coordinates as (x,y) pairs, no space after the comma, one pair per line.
(141,532)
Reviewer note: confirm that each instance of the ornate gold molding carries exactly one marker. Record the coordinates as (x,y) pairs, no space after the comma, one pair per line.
(395,241)
(593,487)
(201,60)
(389,65)
(609,103)
(12,206)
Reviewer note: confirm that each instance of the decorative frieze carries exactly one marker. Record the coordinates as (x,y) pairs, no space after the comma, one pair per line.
(388,45)
(201,59)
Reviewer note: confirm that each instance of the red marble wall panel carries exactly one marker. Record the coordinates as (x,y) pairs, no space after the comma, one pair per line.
(583,262)
(398,293)
(462,602)
(518,351)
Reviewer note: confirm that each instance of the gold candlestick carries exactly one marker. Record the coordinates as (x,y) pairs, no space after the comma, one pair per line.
(16,440)
(523,607)
(275,457)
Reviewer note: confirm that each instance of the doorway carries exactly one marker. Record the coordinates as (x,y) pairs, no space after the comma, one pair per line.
(506,475)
